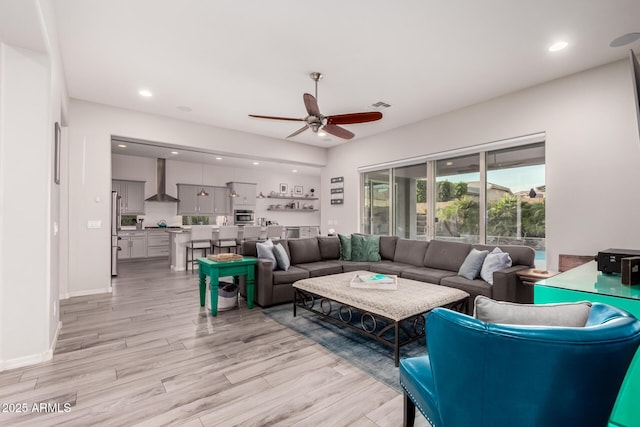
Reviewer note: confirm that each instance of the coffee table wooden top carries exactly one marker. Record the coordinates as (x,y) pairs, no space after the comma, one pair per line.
(411,298)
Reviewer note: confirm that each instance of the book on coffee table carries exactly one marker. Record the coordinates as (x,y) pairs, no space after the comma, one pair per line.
(375,281)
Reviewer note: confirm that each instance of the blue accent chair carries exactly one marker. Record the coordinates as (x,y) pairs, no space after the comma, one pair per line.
(492,375)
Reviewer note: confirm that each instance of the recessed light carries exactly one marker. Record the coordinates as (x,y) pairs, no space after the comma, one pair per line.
(174,152)
(256,163)
(122,146)
(294,170)
(218,158)
(146,93)
(184,108)
(558,46)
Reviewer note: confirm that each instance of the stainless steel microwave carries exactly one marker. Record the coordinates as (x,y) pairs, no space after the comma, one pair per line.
(243,217)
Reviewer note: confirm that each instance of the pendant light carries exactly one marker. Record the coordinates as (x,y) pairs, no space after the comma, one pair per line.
(202,192)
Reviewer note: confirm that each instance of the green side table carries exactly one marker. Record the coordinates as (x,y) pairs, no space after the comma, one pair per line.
(215,270)
(587,283)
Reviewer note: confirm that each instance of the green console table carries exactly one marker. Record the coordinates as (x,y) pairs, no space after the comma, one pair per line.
(587,283)
(216,270)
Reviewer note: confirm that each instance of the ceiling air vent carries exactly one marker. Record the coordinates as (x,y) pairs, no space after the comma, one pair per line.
(381,104)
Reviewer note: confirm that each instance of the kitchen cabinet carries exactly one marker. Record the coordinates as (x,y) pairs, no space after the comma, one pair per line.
(192,204)
(133,244)
(246,195)
(221,201)
(157,243)
(131,196)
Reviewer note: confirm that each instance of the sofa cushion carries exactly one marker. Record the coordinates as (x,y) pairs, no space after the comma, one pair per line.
(472,287)
(445,255)
(470,268)
(411,252)
(345,247)
(281,257)
(365,247)
(424,274)
(291,275)
(389,267)
(249,248)
(388,247)
(348,266)
(563,314)
(495,261)
(303,251)
(520,255)
(265,251)
(329,247)
(322,268)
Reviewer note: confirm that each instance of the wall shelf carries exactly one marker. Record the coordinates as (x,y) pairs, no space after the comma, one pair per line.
(291,198)
(291,210)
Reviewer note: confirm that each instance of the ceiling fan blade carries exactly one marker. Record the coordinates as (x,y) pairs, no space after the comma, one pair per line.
(347,119)
(311,104)
(338,131)
(302,129)
(276,118)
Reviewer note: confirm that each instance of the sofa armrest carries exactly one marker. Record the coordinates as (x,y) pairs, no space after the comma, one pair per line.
(507,285)
(263,290)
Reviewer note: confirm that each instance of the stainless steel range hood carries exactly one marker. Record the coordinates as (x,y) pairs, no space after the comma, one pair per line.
(161,173)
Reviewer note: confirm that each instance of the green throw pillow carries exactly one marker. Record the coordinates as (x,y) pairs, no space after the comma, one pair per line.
(365,248)
(345,247)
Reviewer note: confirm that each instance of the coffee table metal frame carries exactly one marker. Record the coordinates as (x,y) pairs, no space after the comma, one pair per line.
(371,325)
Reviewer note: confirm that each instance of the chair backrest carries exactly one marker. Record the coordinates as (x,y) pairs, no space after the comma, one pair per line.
(228,232)
(251,232)
(275,231)
(201,232)
(507,375)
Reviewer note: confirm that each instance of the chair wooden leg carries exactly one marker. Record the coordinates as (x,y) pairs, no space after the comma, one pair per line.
(409,413)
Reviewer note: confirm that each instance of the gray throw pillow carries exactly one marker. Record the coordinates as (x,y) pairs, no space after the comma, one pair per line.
(494,261)
(265,251)
(472,264)
(281,256)
(565,314)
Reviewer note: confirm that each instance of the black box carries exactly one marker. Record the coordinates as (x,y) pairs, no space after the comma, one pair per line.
(630,270)
(609,260)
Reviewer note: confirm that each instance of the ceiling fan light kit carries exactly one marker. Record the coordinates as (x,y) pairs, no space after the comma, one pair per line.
(329,124)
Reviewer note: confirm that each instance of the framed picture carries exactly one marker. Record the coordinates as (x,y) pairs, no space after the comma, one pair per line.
(284,188)
(56,153)
(298,190)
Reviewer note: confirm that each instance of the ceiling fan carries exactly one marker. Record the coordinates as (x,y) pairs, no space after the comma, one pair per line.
(329,124)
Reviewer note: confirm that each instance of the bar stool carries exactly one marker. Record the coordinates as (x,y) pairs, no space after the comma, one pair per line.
(200,241)
(227,238)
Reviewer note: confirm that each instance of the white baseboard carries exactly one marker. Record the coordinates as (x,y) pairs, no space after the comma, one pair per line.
(67,295)
(33,359)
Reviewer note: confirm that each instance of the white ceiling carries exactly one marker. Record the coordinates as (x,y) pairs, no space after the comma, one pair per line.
(227,59)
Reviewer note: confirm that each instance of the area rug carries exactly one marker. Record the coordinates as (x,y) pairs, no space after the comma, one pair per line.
(367,354)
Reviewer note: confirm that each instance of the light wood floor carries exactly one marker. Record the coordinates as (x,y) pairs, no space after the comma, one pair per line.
(148,354)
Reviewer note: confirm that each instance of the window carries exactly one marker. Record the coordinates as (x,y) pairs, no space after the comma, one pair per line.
(496,196)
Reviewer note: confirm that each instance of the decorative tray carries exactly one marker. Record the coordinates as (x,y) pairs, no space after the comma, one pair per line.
(224,257)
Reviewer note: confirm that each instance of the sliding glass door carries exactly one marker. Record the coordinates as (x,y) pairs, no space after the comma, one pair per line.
(376,203)
(457,194)
(410,201)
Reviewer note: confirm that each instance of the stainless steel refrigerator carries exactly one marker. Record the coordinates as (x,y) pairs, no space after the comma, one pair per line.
(115,227)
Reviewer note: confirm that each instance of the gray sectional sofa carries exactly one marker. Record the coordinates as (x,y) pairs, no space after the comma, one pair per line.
(433,262)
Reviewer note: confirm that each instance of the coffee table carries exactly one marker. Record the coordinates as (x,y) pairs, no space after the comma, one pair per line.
(391,317)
